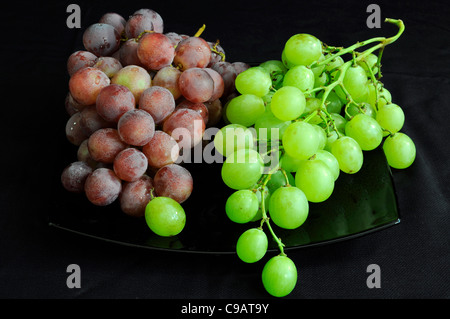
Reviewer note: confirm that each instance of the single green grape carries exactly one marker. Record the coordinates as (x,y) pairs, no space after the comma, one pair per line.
(245,109)
(303,49)
(322,135)
(254,80)
(315,179)
(331,137)
(400,150)
(391,117)
(269,127)
(252,245)
(279,276)
(288,103)
(288,64)
(355,81)
(300,140)
(289,163)
(300,77)
(242,206)
(278,180)
(242,169)
(288,207)
(165,216)
(339,121)
(365,130)
(233,137)
(348,153)
(330,160)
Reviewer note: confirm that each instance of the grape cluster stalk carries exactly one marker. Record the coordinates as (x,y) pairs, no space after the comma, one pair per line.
(317,114)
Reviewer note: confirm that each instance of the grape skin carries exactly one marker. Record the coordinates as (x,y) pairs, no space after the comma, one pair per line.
(130,164)
(113,101)
(105,144)
(74,176)
(174,181)
(86,84)
(136,127)
(136,195)
(162,150)
(158,102)
(102,187)
(101,39)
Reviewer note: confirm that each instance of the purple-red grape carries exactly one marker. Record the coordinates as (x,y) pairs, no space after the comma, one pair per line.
(215,112)
(105,144)
(193,52)
(101,39)
(136,195)
(108,65)
(157,21)
(114,101)
(136,127)
(198,107)
(158,102)
(86,84)
(102,187)
(168,78)
(74,131)
(173,181)
(162,150)
(79,60)
(186,127)
(135,78)
(137,24)
(114,19)
(91,121)
(74,176)
(219,85)
(196,85)
(130,164)
(155,51)
(228,73)
(128,53)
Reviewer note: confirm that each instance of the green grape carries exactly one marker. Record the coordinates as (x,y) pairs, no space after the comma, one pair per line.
(258,193)
(391,118)
(233,137)
(300,140)
(365,130)
(288,207)
(245,109)
(371,60)
(278,180)
(322,137)
(334,103)
(254,80)
(276,70)
(386,95)
(315,179)
(348,153)
(252,245)
(303,49)
(331,162)
(165,216)
(268,122)
(312,104)
(334,64)
(364,108)
(289,163)
(242,169)
(288,64)
(355,81)
(288,103)
(400,150)
(321,80)
(242,206)
(339,121)
(300,77)
(279,276)
(331,137)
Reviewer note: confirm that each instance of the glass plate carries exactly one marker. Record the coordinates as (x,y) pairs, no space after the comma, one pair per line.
(360,204)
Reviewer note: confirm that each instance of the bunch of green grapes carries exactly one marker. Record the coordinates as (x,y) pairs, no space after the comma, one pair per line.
(297,123)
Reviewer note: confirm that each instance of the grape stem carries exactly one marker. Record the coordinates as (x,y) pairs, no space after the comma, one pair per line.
(200,31)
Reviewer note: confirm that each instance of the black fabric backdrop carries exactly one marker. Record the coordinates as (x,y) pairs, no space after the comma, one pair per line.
(413,256)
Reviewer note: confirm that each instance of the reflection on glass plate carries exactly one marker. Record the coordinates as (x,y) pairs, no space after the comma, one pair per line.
(361,203)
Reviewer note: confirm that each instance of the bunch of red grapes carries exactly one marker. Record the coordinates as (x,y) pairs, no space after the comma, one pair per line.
(137,98)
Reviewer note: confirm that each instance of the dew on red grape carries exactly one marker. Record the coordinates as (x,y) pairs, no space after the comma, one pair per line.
(174,181)
(162,150)
(102,187)
(74,176)
(105,144)
(158,102)
(136,127)
(113,101)
(101,39)
(193,52)
(130,164)
(74,131)
(136,195)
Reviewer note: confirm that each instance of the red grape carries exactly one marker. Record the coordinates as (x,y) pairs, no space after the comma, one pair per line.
(155,51)
(108,65)
(137,24)
(86,84)
(74,130)
(136,127)
(173,181)
(186,127)
(193,52)
(135,78)
(83,154)
(105,144)
(128,53)
(215,57)
(101,39)
(74,176)
(168,78)
(136,195)
(215,112)
(114,19)
(219,85)
(91,121)
(113,101)
(72,106)
(157,21)
(240,67)
(162,150)
(79,60)
(228,73)
(198,107)
(196,85)
(102,187)
(158,102)
(130,164)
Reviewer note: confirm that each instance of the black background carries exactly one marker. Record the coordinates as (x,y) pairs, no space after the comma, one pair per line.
(413,256)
